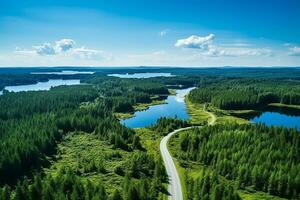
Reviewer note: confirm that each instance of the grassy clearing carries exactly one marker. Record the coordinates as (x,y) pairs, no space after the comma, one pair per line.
(197,113)
(224,116)
(230,119)
(285,105)
(200,114)
(145,106)
(246,195)
(123,115)
(138,107)
(78,149)
(150,140)
(172,91)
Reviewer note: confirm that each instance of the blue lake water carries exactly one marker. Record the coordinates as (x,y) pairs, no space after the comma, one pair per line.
(141,75)
(278,119)
(42,85)
(174,107)
(65,72)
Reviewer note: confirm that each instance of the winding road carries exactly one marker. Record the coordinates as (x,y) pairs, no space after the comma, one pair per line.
(174,180)
(174,188)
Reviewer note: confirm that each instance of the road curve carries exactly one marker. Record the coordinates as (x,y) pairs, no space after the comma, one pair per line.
(174,188)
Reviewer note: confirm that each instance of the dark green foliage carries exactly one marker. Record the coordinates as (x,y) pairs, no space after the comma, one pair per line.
(5,193)
(166,125)
(136,144)
(65,185)
(119,170)
(145,190)
(123,93)
(31,123)
(247,93)
(267,159)
(142,165)
(23,104)
(117,195)
(150,171)
(23,144)
(209,187)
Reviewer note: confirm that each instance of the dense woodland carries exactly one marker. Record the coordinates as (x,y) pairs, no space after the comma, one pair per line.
(32,124)
(67,184)
(246,93)
(165,125)
(209,187)
(267,159)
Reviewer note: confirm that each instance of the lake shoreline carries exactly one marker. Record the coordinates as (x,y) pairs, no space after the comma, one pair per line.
(172,106)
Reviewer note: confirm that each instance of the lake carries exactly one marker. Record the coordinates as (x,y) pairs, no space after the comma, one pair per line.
(141,75)
(174,107)
(41,85)
(277,119)
(66,72)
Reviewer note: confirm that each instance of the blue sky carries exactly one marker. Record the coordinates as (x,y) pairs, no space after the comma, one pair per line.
(160,33)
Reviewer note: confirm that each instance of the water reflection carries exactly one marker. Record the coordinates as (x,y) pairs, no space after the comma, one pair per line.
(174,107)
(41,85)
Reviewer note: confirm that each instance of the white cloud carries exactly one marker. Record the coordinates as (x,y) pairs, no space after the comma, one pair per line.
(64,48)
(294,51)
(207,48)
(45,49)
(215,51)
(196,42)
(57,47)
(65,44)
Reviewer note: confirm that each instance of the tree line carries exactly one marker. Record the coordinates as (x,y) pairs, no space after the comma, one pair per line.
(165,125)
(67,184)
(265,158)
(246,93)
(32,123)
(209,186)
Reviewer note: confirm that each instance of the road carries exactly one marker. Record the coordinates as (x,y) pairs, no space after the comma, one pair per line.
(174,180)
(174,187)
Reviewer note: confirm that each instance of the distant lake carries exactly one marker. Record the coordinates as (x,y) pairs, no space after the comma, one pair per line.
(141,75)
(42,85)
(277,119)
(66,72)
(174,107)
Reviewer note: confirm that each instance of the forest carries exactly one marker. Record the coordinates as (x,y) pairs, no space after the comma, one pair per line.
(246,93)
(33,123)
(265,158)
(66,143)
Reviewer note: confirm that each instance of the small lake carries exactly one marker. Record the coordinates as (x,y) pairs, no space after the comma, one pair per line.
(141,75)
(174,107)
(277,119)
(42,85)
(66,72)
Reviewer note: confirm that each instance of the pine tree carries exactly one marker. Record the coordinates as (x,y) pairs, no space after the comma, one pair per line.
(271,185)
(133,193)
(19,193)
(217,192)
(5,193)
(117,195)
(35,189)
(136,144)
